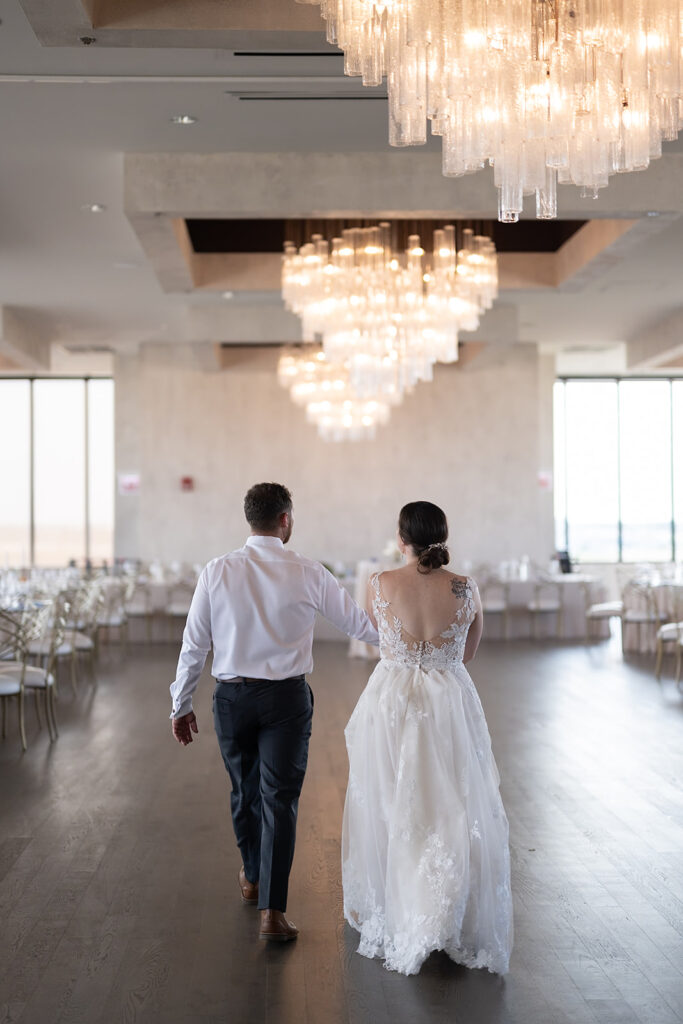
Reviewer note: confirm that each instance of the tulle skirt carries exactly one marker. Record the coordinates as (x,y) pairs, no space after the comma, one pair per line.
(425,857)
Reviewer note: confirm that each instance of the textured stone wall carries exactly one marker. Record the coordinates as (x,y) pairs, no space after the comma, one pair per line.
(472,441)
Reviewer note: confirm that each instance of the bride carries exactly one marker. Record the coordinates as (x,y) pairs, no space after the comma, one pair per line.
(425,860)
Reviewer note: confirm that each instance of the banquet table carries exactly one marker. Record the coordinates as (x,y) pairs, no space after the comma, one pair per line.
(574,590)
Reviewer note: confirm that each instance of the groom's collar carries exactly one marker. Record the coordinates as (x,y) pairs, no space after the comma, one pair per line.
(259,541)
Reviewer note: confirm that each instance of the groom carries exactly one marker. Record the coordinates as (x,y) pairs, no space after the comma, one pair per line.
(256,607)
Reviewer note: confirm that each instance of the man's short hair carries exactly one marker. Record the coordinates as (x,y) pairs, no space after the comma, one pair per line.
(264,504)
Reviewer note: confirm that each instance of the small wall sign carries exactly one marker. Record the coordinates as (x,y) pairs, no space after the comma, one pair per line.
(129,483)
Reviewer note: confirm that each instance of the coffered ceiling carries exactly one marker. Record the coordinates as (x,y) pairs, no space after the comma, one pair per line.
(88,91)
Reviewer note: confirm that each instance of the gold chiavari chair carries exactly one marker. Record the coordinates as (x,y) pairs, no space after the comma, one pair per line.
(138,603)
(82,624)
(42,679)
(42,650)
(495,600)
(597,612)
(670,634)
(179,600)
(547,600)
(17,631)
(640,612)
(112,612)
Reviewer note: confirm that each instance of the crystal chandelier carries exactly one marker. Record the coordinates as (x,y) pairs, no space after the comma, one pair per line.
(324,390)
(386,317)
(547,91)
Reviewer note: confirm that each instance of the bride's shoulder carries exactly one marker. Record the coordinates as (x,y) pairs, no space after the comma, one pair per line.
(460,585)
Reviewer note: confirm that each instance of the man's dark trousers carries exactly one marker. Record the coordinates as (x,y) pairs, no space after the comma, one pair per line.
(263,728)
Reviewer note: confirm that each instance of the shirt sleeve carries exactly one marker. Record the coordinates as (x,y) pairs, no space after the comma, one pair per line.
(196,646)
(337,605)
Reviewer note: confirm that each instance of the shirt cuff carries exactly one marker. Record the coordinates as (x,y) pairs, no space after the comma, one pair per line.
(183,709)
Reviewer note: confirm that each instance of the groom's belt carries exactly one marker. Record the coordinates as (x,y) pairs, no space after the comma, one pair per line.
(254,679)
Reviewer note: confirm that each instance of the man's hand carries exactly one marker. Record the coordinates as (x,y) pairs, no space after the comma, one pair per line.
(183,727)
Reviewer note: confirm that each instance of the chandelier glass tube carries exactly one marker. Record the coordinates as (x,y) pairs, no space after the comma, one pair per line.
(547,91)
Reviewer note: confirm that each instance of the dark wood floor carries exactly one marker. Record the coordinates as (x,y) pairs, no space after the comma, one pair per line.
(118,895)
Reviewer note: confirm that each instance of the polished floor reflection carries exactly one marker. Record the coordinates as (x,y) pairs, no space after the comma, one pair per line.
(118,871)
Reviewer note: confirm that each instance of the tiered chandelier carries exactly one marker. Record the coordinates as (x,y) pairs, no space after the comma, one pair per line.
(384,318)
(547,91)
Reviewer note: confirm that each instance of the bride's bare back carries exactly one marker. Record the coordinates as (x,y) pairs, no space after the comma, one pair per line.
(428,603)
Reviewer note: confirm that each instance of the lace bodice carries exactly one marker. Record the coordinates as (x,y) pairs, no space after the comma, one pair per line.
(441,652)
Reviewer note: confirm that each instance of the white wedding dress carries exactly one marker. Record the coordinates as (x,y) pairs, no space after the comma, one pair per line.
(425,859)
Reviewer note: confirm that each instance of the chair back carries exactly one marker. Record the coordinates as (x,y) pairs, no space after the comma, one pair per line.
(10,628)
(676,600)
(113,594)
(19,629)
(137,597)
(180,597)
(60,612)
(638,598)
(494,591)
(549,591)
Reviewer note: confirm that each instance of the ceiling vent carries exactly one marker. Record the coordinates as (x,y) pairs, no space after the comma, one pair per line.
(303,97)
(298,87)
(289,53)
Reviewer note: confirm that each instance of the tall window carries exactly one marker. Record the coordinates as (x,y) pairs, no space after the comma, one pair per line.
(57,471)
(15,472)
(619,469)
(677,462)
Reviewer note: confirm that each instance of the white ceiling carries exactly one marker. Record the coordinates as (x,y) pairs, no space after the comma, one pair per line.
(82,279)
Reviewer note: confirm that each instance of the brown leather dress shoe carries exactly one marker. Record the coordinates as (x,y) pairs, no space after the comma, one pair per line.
(249,890)
(276,928)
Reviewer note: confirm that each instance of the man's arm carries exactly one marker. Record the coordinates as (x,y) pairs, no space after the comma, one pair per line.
(196,646)
(337,605)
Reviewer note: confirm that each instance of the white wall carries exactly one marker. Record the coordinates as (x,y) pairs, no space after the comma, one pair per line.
(472,441)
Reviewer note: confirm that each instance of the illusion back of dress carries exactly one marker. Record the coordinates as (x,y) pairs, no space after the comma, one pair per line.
(444,651)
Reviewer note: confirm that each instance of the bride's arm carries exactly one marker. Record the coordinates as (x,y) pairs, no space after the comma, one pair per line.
(369,601)
(476,628)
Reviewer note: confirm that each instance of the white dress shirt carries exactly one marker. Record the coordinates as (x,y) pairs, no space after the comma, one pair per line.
(256,607)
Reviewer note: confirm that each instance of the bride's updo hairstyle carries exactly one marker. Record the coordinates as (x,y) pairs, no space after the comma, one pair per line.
(425,528)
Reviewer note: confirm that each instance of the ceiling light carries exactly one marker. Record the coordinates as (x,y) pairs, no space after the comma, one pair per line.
(93,207)
(184,119)
(546,91)
(228,295)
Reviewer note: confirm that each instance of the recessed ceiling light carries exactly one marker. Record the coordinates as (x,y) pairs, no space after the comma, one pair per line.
(228,295)
(93,207)
(184,119)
